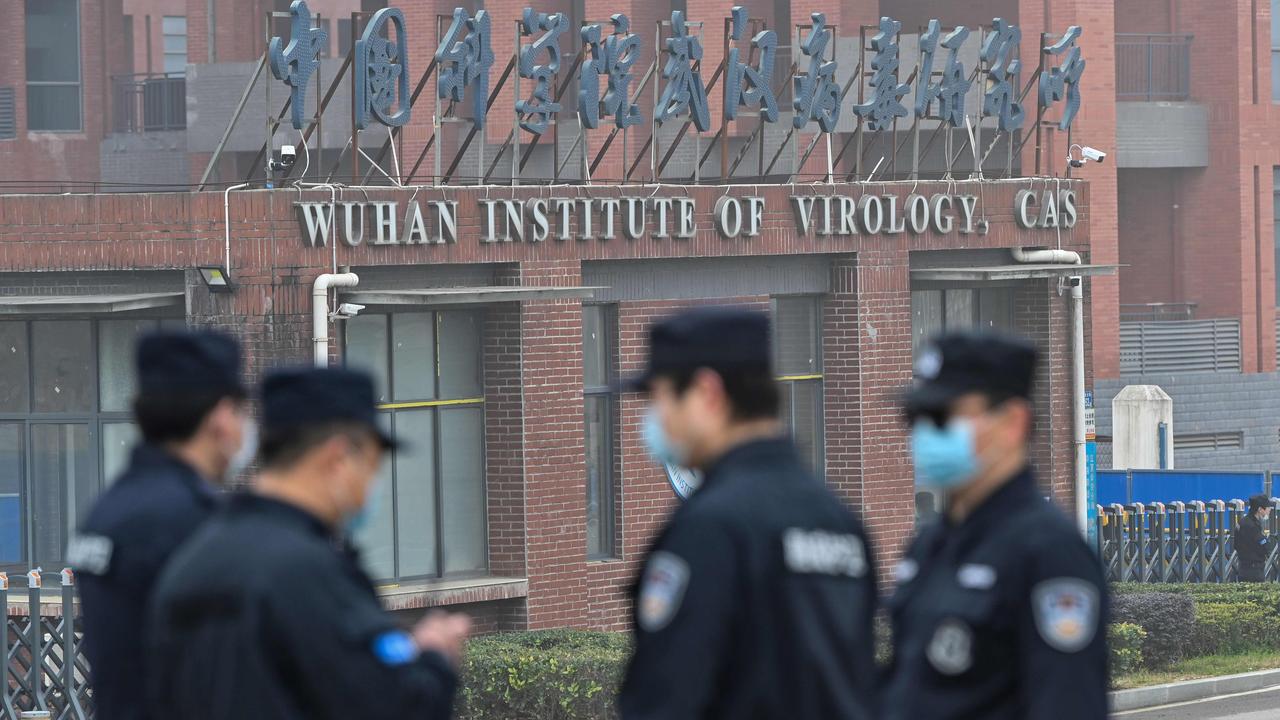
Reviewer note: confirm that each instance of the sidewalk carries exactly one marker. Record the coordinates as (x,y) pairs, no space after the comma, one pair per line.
(1187,690)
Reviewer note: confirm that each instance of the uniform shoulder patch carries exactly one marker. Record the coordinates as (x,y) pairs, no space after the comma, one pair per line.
(395,648)
(666,576)
(1066,612)
(90,554)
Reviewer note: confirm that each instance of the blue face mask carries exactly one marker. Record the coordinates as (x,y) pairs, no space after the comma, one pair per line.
(659,445)
(944,457)
(358,521)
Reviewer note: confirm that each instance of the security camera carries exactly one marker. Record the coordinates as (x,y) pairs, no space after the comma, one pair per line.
(346,311)
(1093,154)
(288,156)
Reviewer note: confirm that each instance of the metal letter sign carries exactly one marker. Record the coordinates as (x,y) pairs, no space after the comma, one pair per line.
(885,103)
(612,57)
(294,63)
(684,89)
(1003,68)
(382,71)
(950,92)
(537,112)
(468,59)
(1065,77)
(817,97)
(747,86)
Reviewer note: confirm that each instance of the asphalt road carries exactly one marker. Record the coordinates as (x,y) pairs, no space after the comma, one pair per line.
(1258,705)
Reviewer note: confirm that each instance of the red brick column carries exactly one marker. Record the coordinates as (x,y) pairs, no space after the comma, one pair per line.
(503,442)
(1044,317)
(840,409)
(554,458)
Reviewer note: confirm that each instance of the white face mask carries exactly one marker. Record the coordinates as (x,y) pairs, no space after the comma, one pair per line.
(247,452)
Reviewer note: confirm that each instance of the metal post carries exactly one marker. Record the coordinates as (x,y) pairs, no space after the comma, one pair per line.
(515,127)
(6,690)
(69,644)
(36,641)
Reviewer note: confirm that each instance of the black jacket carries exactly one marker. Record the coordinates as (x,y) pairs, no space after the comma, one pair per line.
(1002,617)
(261,615)
(1252,548)
(756,601)
(118,554)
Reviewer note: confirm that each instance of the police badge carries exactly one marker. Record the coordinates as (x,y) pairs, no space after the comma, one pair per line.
(1066,612)
(665,577)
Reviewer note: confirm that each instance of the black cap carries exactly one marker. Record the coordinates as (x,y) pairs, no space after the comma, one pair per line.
(957,364)
(301,397)
(1259,501)
(714,337)
(188,360)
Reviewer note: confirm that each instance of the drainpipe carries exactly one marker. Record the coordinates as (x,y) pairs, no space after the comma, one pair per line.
(226,223)
(320,311)
(1047,257)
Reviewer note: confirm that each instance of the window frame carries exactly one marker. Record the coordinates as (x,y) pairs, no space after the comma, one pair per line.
(604,394)
(164,50)
(78,83)
(789,383)
(440,408)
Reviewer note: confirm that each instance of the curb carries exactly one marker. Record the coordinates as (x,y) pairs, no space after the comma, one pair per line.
(1156,695)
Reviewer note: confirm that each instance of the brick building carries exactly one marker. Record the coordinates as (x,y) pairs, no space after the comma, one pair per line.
(497,313)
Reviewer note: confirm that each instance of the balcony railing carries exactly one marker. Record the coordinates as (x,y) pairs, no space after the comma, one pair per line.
(149,103)
(1153,66)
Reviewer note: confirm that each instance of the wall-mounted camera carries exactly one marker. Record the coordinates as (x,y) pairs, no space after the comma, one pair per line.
(1087,154)
(346,311)
(288,156)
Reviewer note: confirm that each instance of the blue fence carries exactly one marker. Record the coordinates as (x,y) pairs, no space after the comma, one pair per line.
(1125,487)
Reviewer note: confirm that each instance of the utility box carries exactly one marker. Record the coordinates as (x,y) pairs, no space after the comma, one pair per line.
(1142,429)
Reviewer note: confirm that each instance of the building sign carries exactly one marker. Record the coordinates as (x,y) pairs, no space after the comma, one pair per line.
(639,218)
(465,58)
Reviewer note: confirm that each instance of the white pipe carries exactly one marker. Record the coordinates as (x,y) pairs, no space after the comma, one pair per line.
(1077,404)
(1054,257)
(320,311)
(226,224)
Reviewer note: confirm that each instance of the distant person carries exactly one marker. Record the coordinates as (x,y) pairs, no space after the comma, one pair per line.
(1253,540)
(191,411)
(926,512)
(1000,609)
(264,614)
(756,598)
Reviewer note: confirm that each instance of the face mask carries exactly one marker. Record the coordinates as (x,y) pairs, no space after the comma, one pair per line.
(359,520)
(944,457)
(659,445)
(248,450)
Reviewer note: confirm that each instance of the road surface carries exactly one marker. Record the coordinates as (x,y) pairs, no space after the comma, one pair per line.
(1257,705)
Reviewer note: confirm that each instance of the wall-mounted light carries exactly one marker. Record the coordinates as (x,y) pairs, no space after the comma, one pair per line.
(215,278)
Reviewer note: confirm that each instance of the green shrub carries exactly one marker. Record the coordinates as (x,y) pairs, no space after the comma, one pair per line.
(1125,641)
(1168,619)
(1230,628)
(544,675)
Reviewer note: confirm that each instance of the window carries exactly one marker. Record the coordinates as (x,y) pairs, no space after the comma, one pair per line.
(175,44)
(1275,212)
(53,66)
(65,426)
(599,340)
(797,328)
(344,37)
(429,516)
(936,311)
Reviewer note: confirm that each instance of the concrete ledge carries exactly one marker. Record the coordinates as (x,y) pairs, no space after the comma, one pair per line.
(437,593)
(1169,693)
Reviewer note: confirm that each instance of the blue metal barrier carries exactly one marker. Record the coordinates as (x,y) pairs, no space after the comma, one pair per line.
(1125,487)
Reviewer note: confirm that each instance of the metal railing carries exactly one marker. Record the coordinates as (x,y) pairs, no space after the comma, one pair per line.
(46,670)
(1175,543)
(1153,312)
(1153,66)
(1180,346)
(149,102)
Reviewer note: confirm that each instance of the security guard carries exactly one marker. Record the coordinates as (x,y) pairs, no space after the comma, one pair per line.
(191,411)
(1000,609)
(1253,540)
(263,614)
(756,599)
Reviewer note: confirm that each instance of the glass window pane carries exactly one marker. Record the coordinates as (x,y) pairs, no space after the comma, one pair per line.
(413,356)
(461,370)
(596,344)
(52,41)
(63,357)
(366,349)
(116,374)
(806,422)
(63,486)
(416,492)
(53,108)
(599,476)
(175,25)
(11,465)
(995,309)
(377,540)
(15,382)
(926,316)
(1275,76)
(959,307)
(175,45)
(118,439)
(796,335)
(462,491)
(175,63)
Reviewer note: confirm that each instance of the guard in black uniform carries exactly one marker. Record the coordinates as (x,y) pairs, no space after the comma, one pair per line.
(1253,540)
(192,415)
(756,599)
(1000,609)
(265,614)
